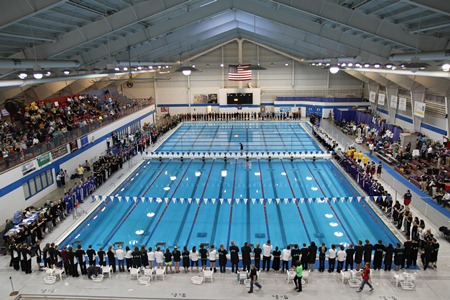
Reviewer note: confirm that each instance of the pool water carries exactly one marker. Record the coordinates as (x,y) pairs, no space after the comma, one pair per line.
(194,201)
(254,136)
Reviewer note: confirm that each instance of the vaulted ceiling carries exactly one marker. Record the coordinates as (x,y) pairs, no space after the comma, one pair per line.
(100,32)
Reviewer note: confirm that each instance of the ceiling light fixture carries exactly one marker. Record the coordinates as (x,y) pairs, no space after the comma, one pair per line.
(38,75)
(446,67)
(66,72)
(22,75)
(334,69)
(186,70)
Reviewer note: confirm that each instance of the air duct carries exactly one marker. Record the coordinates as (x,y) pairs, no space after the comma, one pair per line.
(31,64)
(422,56)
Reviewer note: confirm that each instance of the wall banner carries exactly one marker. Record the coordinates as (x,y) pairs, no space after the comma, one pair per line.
(381,99)
(419,109)
(372,97)
(402,103)
(394,101)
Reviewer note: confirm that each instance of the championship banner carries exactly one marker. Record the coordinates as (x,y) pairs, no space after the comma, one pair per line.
(419,109)
(372,97)
(43,159)
(402,103)
(394,101)
(381,99)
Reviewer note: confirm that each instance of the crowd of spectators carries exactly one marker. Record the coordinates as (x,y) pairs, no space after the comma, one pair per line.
(41,122)
(426,164)
(367,175)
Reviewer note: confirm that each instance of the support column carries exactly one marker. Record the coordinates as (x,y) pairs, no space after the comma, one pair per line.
(392,92)
(417,95)
(373,87)
(447,111)
(240,50)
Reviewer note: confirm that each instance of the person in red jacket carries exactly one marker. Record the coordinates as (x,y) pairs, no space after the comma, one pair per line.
(365,278)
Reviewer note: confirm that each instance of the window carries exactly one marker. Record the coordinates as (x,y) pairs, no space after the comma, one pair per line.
(37,184)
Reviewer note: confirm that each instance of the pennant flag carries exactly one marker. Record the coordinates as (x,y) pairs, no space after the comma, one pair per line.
(294,200)
(261,201)
(174,200)
(310,200)
(103,198)
(367,198)
(350,199)
(239,73)
(237,200)
(302,200)
(142,199)
(135,199)
(278,200)
(93,198)
(229,201)
(221,200)
(318,200)
(269,200)
(111,198)
(190,200)
(245,200)
(127,198)
(286,200)
(213,200)
(166,200)
(253,200)
(359,199)
(205,200)
(120,198)
(182,200)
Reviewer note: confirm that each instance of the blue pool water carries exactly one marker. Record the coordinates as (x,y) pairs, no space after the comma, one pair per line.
(216,201)
(254,136)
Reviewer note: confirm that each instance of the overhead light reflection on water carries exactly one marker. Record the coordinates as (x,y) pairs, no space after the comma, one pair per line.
(166,188)
(314,188)
(333,224)
(151,215)
(308,178)
(257,174)
(329,216)
(338,234)
(283,173)
(139,232)
(173,178)
(197,174)
(159,200)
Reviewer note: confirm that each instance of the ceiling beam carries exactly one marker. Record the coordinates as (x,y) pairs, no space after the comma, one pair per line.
(370,24)
(14,11)
(437,6)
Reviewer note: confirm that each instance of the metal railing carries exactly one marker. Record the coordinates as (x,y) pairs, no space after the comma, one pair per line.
(17,158)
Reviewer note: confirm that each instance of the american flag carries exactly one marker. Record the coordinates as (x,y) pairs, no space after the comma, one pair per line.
(239,73)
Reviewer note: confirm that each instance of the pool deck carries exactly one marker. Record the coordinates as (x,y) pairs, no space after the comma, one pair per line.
(430,284)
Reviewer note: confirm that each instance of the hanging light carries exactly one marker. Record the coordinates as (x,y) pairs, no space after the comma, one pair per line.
(446,67)
(334,69)
(22,75)
(38,75)
(66,72)
(186,72)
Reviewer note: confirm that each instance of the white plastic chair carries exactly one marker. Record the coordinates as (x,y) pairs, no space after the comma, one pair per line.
(149,273)
(346,275)
(197,280)
(58,273)
(208,275)
(49,272)
(144,280)
(160,273)
(107,270)
(290,276)
(134,273)
(305,277)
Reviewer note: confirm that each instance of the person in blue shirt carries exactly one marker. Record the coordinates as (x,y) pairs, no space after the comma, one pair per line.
(18,217)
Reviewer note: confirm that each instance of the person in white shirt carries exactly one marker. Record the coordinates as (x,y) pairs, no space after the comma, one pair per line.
(285,257)
(120,259)
(128,258)
(212,259)
(267,254)
(151,258)
(331,258)
(159,256)
(341,256)
(193,255)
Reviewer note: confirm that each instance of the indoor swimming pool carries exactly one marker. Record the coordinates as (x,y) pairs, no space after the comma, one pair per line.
(191,202)
(226,137)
